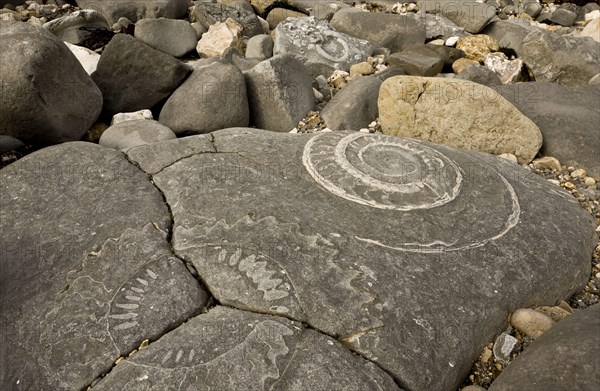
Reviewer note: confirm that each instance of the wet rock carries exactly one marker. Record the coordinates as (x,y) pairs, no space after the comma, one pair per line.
(208,14)
(530,322)
(395,32)
(149,75)
(128,134)
(75,27)
(444,111)
(212,98)
(564,358)
(47,97)
(220,37)
(354,107)
(320,48)
(279,93)
(174,37)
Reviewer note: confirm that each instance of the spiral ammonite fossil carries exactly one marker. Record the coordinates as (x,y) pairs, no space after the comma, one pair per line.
(399,174)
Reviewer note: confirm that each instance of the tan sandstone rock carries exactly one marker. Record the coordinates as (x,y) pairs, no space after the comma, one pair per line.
(219,37)
(476,46)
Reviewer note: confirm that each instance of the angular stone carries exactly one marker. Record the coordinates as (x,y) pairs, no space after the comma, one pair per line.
(279,93)
(132,76)
(212,98)
(592,30)
(136,115)
(326,249)
(174,37)
(208,14)
(46,96)
(438,26)
(228,349)
(458,113)
(468,14)
(260,47)
(395,32)
(135,10)
(354,107)
(504,346)
(480,75)
(461,64)
(86,57)
(509,71)
(567,117)
(509,33)
(320,48)
(564,358)
(128,134)
(418,61)
(87,272)
(564,17)
(565,60)
(220,37)
(477,46)
(75,27)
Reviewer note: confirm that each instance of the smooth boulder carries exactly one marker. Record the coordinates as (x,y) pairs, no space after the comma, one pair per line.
(174,37)
(128,134)
(47,97)
(208,14)
(458,113)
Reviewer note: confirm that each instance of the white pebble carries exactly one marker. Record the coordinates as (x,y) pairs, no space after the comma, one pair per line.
(451,41)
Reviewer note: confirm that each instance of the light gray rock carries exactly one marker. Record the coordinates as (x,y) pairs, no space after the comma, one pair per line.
(480,75)
(564,358)
(418,60)
(313,253)
(532,8)
(395,32)
(260,47)
(47,97)
(504,346)
(127,134)
(355,106)
(75,27)
(565,60)
(565,16)
(212,98)
(86,57)
(174,37)
(135,10)
(9,143)
(567,117)
(210,13)
(321,49)
(136,115)
(458,113)
(438,26)
(87,272)
(279,93)
(471,15)
(228,349)
(132,76)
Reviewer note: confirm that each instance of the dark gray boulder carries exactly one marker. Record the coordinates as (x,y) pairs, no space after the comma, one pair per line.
(418,60)
(566,357)
(228,349)
(355,106)
(46,95)
(174,37)
(471,15)
(279,93)
(565,60)
(395,32)
(128,134)
(87,272)
(135,10)
(327,250)
(509,33)
(132,76)
(212,98)
(438,26)
(210,13)
(9,143)
(480,74)
(567,117)
(320,48)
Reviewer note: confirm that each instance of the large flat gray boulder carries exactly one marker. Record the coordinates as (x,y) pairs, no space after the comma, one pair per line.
(566,357)
(87,272)
(567,117)
(350,233)
(228,349)
(46,95)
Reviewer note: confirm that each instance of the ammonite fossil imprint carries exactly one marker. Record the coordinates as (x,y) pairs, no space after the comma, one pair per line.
(404,175)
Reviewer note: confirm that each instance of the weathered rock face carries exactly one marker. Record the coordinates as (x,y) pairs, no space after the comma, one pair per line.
(480,74)
(174,37)
(47,97)
(208,14)
(564,358)
(279,93)
(567,117)
(458,113)
(228,349)
(132,76)
(552,57)
(314,43)
(509,33)
(312,253)
(472,16)
(212,98)
(395,32)
(135,10)
(219,38)
(75,27)
(87,273)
